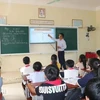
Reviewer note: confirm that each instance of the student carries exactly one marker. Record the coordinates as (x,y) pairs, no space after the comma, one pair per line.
(98,54)
(53,89)
(37,66)
(38,74)
(61,46)
(27,68)
(95,66)
(25,71)
(92,90)
(54,61)
(69,64)
(81,64)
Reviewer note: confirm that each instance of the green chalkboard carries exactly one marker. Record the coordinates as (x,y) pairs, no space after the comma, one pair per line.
(70,36)
(14,39)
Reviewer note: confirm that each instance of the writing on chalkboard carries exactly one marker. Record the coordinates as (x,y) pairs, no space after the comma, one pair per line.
(14,39)
(13,36)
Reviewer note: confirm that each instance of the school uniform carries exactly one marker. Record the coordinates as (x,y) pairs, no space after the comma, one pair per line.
(83,81)
(52,90)
(25,71)
(80,66)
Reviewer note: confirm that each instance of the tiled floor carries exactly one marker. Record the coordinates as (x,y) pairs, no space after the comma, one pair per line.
(13,92)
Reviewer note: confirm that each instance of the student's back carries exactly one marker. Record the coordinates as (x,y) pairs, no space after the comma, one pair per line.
(54,88)
(54,61)
(27,68)
(38,74)
(82,64)
(70,71)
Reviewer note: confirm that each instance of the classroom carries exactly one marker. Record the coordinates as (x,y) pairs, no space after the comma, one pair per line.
(62,12)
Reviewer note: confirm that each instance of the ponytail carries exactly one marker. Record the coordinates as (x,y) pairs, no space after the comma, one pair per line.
(94,63)
(98,70)
(84,63)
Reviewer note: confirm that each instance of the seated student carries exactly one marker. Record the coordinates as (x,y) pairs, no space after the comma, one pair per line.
(82,64)
(54,88)
(98,54)
(54,61)
(95,66)
(69,69)
(27,68)
(36,77)
(38,74)
(92,90)
(69,64)
(25,71)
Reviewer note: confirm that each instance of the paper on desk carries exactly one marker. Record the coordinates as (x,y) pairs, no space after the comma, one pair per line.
(72,81)
(36,77)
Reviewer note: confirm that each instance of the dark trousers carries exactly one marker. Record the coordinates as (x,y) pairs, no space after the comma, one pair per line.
(61,57)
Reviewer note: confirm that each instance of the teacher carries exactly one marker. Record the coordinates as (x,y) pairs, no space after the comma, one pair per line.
(61,46)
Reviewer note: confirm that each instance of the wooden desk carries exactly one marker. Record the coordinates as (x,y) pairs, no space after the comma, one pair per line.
(71,86)
(86,70)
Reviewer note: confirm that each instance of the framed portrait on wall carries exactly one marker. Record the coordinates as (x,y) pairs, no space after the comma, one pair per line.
(77,23)
(41,12)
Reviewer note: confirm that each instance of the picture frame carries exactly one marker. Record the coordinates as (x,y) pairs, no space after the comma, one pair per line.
(77,23)
(3,20)
(41,12)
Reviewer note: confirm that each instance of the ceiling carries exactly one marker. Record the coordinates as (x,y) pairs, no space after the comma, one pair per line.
(82,4)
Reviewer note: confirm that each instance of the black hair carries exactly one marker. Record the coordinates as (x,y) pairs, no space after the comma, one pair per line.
(69,63)
(94,64)
(61,34)
(26,60)
(82,58)
(92,90)
(51,72)
(37,66)
(54,59)
(98,52)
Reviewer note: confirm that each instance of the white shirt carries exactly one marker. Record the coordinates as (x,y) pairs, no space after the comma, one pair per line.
(26,70)
(36,77)
(80,66)
(62,44)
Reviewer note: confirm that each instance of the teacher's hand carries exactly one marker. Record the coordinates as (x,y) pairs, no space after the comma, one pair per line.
(58,47)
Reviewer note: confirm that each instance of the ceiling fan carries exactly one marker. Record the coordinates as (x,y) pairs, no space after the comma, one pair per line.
(53,1)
